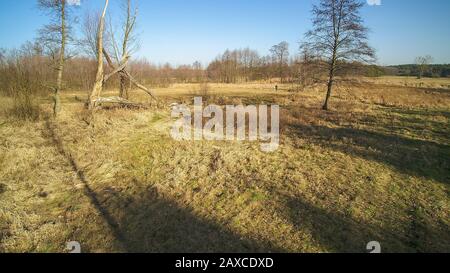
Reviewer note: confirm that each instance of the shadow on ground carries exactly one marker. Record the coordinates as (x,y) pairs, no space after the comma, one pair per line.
(144,222)
(410,156)
(343,234)
(149,223)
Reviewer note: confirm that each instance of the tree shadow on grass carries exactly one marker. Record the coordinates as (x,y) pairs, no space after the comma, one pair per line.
(340,233)
(144,222)
(432,122)
(150,223)
(410,156)
(424,112)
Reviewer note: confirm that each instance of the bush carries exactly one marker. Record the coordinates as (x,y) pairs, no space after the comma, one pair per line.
(21,79)
(24,107)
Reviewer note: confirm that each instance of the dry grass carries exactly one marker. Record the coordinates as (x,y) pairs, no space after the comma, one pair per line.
(431,83)
(374,168)
(22,107)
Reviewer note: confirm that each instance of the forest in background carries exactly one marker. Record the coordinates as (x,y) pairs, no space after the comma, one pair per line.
(30,65)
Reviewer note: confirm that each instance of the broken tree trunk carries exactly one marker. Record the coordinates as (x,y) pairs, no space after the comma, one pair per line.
(115,71)
(123,84)
(98,86)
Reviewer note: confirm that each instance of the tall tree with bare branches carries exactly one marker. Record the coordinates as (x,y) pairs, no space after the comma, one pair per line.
(55,37)
(123,49)
(121,56)
(338,37)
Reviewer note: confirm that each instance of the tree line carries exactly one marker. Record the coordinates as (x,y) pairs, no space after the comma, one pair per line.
(233,66)
(414,70)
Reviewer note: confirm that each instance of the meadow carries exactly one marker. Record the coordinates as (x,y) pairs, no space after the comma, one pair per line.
(376,167)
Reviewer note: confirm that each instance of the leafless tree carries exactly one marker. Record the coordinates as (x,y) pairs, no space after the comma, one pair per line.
(123,49)
(88,42)
(55,37)
(280,53)
(121,56)
(232,66)
(422,63)
(305,69)
(338,36)
(198,72)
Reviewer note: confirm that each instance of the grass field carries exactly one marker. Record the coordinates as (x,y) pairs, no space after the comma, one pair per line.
(374,168)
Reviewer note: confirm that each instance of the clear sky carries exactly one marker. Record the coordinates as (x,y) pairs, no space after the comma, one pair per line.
(183,31)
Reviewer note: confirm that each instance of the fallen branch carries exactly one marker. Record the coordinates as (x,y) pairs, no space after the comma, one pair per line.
(120,101)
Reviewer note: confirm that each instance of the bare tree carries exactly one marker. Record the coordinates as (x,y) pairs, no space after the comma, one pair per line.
(121,57)
(55,37)
(129,44)
(89,29)
(338,36)
(280,53)
(198,72)
(123,49)
(422,63)
(306,69)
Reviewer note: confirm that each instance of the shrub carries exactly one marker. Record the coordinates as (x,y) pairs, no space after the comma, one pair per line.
(24,107)
(22,83)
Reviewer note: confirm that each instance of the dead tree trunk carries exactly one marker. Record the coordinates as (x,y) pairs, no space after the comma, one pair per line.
(123,84)
(119,68)
(98,86)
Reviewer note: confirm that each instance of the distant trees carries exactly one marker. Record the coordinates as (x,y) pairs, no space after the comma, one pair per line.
(198,72)
(236,65)
(280,53)
(243,65)
(413,70)
(422,63)
(338,37)
(305,69)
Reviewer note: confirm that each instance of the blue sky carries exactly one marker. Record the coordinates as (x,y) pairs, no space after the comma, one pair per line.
(182,31)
